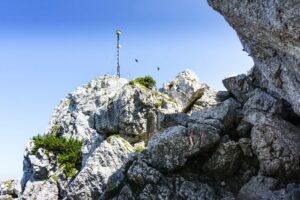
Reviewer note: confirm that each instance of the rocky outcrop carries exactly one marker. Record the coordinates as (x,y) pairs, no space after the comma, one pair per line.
(10,189)
(187,141)
(189,92)
(105,160)
(269,31)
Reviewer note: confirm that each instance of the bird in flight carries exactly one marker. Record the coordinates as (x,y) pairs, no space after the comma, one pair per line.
(158,68)
(136,60)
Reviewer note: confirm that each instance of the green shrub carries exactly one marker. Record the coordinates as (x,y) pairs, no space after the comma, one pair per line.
(146,81)
(139,148)
(67,151)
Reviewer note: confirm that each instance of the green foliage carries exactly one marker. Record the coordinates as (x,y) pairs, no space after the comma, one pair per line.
(158,104)
(146,81)
(67,151)
(139,148)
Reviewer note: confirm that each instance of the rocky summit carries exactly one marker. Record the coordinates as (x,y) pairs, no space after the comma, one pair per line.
(118,139)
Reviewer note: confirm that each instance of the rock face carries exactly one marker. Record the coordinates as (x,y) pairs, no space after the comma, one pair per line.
(269,31)
(10,189)
(186,88)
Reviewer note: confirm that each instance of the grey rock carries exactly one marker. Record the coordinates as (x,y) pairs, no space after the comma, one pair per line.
(225,160)
(47,190)
(259,106)
(269,32)
(184,88)
(239,86)
(174,119)
(227,113)
(258,188)
(170,149)
(192,191)
(106,159)
(244,129)
(10,188)
(223,95)
(276,144)
(245,145)
(140,173)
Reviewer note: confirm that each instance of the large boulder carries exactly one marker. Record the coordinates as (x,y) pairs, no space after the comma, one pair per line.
(170,149)
(224,161)
(228,113)
(265,188)
(269,31)
(277,146)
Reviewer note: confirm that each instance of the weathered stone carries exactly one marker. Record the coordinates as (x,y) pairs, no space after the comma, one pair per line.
(224,161)
(277,146)
(184,89)
(245,145)
(244,129)
(258,188)
(170,149)
(269,31)
(41,190)
(10,188)
(227,113)
(174,119)
(140,173)
(240,86)
(107,158)
(195,191)
(260,106)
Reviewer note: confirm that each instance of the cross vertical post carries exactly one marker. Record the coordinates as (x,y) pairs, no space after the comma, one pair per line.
(118,32)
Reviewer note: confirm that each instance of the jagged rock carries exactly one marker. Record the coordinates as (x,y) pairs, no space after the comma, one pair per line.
(276,144)
(133,112)
(10,188)
(37,167)
(239,86)
(269,31)
(258,188)
(106,159)
(259,106)
(245,144)
(224,161)
(244,129)
(170,149)
(223,95)
(226,112)
(264,188)
(197,191)
(140,173)
(47,189)
(174,119)
(184,88)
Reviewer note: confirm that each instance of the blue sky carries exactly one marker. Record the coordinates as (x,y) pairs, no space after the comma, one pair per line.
(49,47)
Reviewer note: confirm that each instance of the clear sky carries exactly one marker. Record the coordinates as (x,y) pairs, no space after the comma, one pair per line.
(49,47)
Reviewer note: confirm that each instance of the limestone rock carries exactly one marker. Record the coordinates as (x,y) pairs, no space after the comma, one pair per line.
(10,188)
(183,88)
(269,31)
(239,86)
(106,159)
(276,144)
(47,189)
(224,161)
(140,173)
(226,112)
(170,149)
